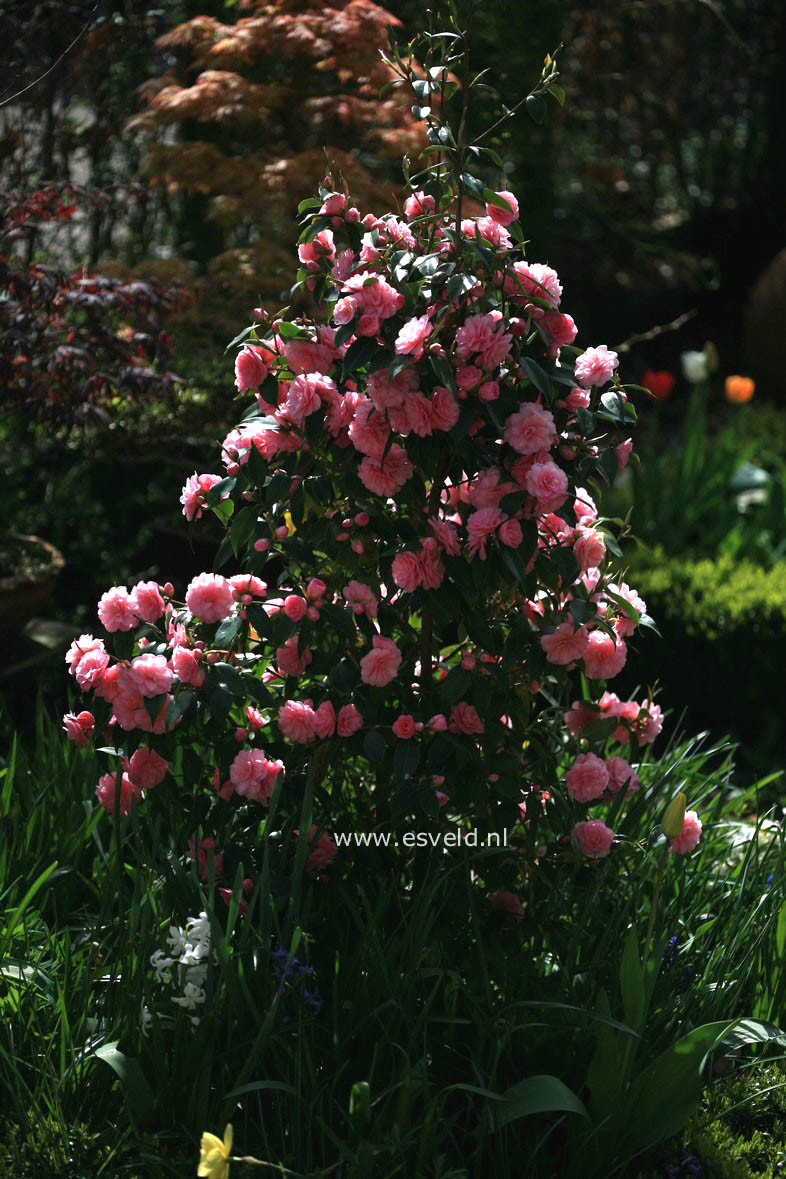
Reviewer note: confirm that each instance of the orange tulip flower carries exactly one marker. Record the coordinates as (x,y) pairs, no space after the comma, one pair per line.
(739,390)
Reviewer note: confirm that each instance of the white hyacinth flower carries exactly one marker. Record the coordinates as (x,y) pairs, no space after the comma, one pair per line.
(190,998)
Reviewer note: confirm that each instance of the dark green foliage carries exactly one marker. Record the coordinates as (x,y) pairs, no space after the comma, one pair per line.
(723,648)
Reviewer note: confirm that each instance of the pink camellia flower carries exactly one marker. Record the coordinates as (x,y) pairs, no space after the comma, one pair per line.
(116,611)
(396,230)
(107,686)
(476,334)
(254,776)
(549,484)
(649,726)
(387,394)
(447,535)
(250,368)
(603,658)
(382,662)
(349,721)
(79,727)
(209,597)
(146,601)
(91,668)
(407,572)
(320,248)
(310,356)
(79,648)
(559,330)
(489,391)
(432,570)
(334,204)
(480,526)
(491,231)
(360,598)
(325,720)
(369,430)
(566,644)
(305,394)
(587,778)
(374,293)
(290,660)
(531,429)
(146,768)
(367,324)
(247,583)
(535,281)
(129,709)
(404,726)
(579,715)
(689,836)
(185,664)
(504,216)
(345,310)
(418,204)
(295,607)
(466,718)
(412,337)
(297,721)
(194,495)
(413,417)
(107,793)
(577,399)
(386,476)
(506,902)
(595,366)
(625,625)
(255,718)
(324,850)
(151,675)
(623,453)
(510,533)
(594,838)
(626,710)
(468,376)
(621,773)
(444,409)
(590,548)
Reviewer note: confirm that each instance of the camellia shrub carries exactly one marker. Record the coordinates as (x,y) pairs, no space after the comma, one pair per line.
(410,610)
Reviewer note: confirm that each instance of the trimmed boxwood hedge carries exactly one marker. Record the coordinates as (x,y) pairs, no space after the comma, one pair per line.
(722,656)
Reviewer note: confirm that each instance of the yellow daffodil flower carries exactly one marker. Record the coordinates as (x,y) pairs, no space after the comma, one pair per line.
(214,1155)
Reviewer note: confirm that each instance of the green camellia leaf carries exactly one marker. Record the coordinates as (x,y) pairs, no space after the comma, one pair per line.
(374,746)
(178,707)
(292,331)
(359,354)
(536,108)
(406,758)
(239,338)
(536,374)
(153,705)
(228,631)
(616,408)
